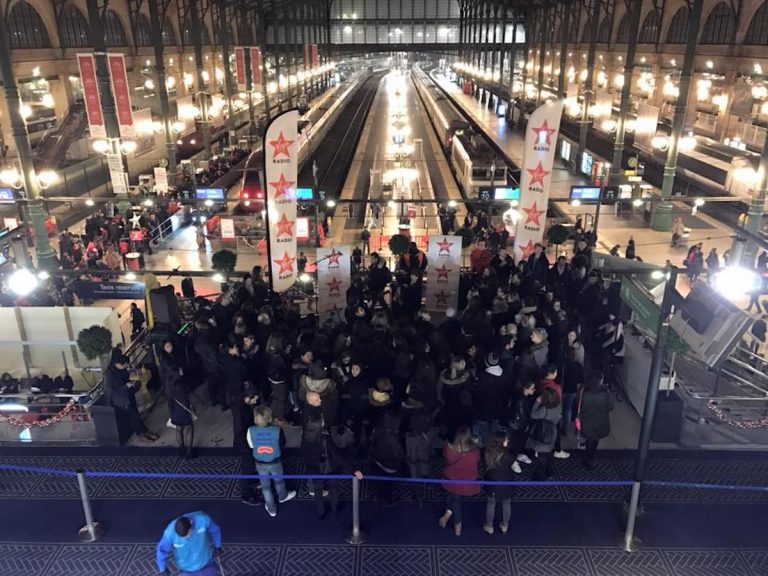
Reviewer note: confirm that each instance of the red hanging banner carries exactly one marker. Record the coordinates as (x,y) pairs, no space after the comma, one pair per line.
(256,68)
(315,57)
(121,91)
(240,74)
(91,96)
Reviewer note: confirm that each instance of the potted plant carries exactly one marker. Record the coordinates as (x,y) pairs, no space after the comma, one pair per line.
(557,235)
(95,342)
(467,237)
(224,261)
(399,244)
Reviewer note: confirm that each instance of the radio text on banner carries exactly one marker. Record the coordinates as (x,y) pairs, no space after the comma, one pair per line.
(333,279)
(443,271)
(280,162)
(536,176)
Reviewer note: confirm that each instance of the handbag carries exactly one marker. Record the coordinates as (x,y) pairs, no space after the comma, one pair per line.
(577,421)
(170,424)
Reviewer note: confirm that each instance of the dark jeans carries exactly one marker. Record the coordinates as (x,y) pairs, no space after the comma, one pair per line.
(333,489)
(384,489)
(131,413)
(591,448)
(543,466)
(454,505)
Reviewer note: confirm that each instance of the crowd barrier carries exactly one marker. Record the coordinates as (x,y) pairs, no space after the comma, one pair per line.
(93,530)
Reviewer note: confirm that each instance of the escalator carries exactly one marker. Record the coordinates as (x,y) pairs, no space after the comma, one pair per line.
(52,148)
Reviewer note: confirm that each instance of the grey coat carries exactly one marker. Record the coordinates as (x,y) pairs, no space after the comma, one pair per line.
(539,412)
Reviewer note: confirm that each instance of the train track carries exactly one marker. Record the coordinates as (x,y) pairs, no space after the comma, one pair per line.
(334,156)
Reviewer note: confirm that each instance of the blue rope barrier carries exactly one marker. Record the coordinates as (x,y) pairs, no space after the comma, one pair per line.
(192,476)
(36,470)
(704,486)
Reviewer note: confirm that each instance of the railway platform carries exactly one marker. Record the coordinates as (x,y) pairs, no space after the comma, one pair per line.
(652,246)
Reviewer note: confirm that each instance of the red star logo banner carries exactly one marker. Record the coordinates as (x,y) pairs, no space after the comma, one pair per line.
(527,249)
(445,246)
(282,186)
(537,175)
(334,285)
(285,263)
(280,146)
(285,226)
(534,214)
(442,272)
(544,134)
(442,298)
(333,257)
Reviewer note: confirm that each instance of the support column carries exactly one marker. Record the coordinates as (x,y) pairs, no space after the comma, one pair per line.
(202,87)
(111,124)
(156,19)
(228,81)
(46,259)
(662,216)
(542,50)
(501,55)
(564,24)
(593,19)
(615,177)
(262,31)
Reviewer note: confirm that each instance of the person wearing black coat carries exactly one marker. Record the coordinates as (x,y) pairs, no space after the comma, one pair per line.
(387,453)
(206,348)
(378,274)
(538,264)
(179,406)
(500,463)
(120,393)
(322,456)
(595,405)
(491,398)
(234,377)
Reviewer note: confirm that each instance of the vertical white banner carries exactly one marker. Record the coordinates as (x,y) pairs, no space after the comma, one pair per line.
(536,176)
(333,279)
(161,179)
(443,270)
(280,164)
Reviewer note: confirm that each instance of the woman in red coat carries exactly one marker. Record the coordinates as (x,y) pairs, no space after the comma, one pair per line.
(462,457)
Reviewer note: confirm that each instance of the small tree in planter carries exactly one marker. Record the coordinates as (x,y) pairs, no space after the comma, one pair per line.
(95,342)
(557,235)
(399,244)
(224,261)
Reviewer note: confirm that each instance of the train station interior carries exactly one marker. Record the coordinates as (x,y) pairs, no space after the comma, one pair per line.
(383,287)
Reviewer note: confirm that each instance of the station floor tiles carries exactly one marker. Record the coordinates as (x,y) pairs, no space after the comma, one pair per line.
(555,530)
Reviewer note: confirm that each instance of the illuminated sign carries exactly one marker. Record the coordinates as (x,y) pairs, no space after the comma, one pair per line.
(302,228)
(6,196)
(506,193)
(585,193)
(304,194)
(209,194)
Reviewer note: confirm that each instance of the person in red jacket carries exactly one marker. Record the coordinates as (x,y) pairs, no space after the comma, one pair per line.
(548,382)
(462,457)
(480,258)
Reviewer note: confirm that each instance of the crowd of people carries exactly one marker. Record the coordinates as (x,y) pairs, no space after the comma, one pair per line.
(381,388)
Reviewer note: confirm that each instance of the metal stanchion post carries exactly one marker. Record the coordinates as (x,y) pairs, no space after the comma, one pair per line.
(357,536)
(630,544)
(92,531)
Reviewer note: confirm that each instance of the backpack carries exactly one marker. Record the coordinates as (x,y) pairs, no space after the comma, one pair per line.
(265,442)
(543,432)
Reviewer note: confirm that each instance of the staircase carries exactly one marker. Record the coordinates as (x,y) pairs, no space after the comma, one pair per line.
(53,147)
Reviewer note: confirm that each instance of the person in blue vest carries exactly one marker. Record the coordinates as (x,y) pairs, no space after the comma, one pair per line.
(267,442)
(193,539)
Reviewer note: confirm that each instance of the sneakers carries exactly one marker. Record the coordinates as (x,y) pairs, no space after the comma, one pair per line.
(250,500)
(272,513)
(562,454)
(289,496)
(524,459)
(516,468)
(503,528)
(487,529)
(325,493)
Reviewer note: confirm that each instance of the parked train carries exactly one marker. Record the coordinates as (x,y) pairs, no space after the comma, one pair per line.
(473,161)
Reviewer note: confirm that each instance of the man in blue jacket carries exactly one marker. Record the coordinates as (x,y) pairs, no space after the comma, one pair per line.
(192,538)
